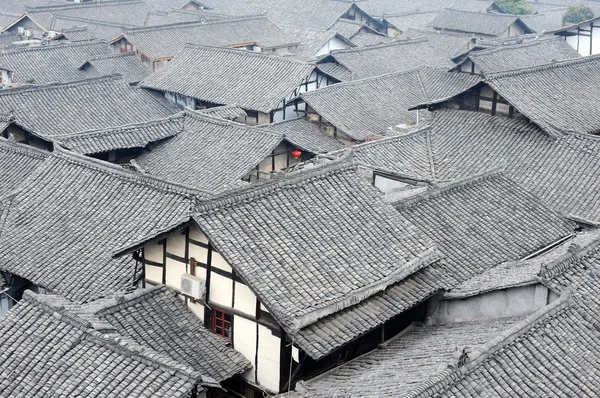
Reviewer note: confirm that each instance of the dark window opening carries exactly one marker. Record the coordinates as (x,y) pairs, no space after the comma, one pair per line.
(223,324)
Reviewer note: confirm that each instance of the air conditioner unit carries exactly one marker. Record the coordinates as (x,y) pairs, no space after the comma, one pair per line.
(21,29)
(27,33)
(52,34)
(193,286)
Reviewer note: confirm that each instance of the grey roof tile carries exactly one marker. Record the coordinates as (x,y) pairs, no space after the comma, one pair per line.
(377,8)
(17,161)
(30,65)
(137,135)
(302,275)
(481,222)
(383,101)
(227,112)
(78,211)
(127,65)
(211,154)
(83,105)
(157,318)
(164,42)
(526,55)
(492,24)
(399,55)
(550,92)
(50,351)
(305,135)
(228,76)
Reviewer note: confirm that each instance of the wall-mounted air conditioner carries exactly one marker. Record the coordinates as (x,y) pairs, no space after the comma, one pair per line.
(193,286)
(20,30)
(27,33)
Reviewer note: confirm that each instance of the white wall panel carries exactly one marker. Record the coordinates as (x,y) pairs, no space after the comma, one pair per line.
(245,300)
(268,359)
(221,290)
(244,341)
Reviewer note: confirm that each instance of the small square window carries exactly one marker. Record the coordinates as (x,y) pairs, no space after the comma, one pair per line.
(223,324)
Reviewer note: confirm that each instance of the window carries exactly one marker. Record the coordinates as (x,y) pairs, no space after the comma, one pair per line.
(223,324)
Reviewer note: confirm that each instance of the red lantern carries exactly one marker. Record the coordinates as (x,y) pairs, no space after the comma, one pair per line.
(296,153)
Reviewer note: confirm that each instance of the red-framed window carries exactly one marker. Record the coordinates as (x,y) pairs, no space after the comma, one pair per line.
(222,324)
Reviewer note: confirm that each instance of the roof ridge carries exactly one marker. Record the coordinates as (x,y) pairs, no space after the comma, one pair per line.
(119,128)
(92,21)
(207,117)
(245,53)
(52,47)
(253,191)
(574,254)
(403,42)
(385,140)
(115,170)
(14,146)
(49,86)
(502,47)
(58,7)
(455,185)
(485,351)
(492,14)
(113,55)
(127,300)
(142,29)
(362,80)
(553,65)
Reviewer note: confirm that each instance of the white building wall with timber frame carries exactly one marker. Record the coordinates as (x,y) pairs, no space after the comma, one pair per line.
(254,333)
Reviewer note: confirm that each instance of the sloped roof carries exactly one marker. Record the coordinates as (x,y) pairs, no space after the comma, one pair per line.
(312,14)
(17,161)
(166,41)
(411,20)
(228,112)
(519,56)
(383,101)
(127,65)
(377,8)
(481,222)
(304,274)
(126,13)
(157,318)
(562,172)
(77,34)
(306,135)
(399,55)
(404,363)
(228,76)
(558,96)
(78,211)
(210,154)
(49,351)
(492,24)
(58,109)
(31,64)
(311,41)
(136,135)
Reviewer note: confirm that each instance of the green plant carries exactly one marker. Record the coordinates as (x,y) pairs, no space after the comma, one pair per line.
(516,7)
(577,13)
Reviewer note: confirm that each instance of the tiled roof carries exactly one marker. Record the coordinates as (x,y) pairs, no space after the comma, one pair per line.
(492,24)
(58,109)
(562,172)
(406,362)
(406,155)
(333,331)
(278,237)
(481,222)
(363,39)
(558,96)
(30,65)
(3,283)
(166,41)
(305,135)
(210,154)
(157,318)
(411,20)
(311,41)
(77,34)
(526,55)
(136,135)
(49,351)
(125,13)
(399,55)
(126,64)
(383,101)
(227,76)
(78,211)
(377,8)
(17,161)
(335,70)
(312,14)
(228,112)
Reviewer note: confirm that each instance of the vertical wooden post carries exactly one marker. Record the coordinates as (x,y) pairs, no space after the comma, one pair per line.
(193,273)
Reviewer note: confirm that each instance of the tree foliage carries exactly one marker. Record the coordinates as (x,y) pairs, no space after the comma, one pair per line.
(516,7)
(577,13)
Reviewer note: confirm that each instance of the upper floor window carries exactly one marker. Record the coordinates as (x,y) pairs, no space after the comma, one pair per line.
(223,324)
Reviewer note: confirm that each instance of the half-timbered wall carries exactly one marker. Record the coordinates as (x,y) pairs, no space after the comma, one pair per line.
(279,159)
(585,39)
(469,67)
(483,99)
(255,334)
(24,137)
(333,44)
